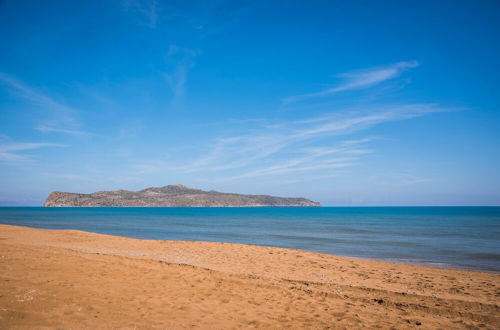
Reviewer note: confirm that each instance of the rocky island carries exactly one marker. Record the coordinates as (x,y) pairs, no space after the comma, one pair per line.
(170,196)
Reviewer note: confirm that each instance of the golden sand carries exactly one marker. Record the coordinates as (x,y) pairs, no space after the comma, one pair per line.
(73,279)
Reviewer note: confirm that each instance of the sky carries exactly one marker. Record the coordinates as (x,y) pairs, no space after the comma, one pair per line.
(349,103)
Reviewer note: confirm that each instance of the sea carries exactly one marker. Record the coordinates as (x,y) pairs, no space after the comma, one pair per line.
(450,237)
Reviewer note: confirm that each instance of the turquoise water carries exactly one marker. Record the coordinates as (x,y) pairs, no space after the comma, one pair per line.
(463,237)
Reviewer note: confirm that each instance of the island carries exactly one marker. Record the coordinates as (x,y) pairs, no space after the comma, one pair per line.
(171,196)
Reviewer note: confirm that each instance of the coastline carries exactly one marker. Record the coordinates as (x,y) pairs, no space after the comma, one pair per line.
(47,277)
(444,237)
(433,264)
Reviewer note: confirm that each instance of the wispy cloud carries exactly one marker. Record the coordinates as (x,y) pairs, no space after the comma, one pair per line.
(407,179)
(317,146)
(14,151)
(53,129)
(298,146)
(62,118)
(147,11)
(300,165)
(358,141)
(36,97)
(358,80)
(181,60)
(358,120)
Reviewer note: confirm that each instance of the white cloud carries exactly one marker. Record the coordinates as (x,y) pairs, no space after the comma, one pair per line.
(182,60)
(50,129)
(359,120)
(358,141)
(358,80)
(300,165)
(13,151)
(63,118)
(300,145)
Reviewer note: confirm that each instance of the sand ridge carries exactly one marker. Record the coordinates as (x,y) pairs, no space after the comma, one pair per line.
(66,278)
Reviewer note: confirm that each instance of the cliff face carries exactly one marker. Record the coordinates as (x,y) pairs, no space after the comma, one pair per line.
(170,196)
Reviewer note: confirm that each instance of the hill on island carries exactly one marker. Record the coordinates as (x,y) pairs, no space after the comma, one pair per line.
(170,196)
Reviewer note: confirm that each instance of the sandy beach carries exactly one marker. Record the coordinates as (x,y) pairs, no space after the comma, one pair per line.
(73,279)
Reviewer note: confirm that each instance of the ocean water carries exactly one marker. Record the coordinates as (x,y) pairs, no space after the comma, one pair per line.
(458,237)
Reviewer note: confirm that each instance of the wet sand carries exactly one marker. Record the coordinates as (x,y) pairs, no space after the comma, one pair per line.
(73,279)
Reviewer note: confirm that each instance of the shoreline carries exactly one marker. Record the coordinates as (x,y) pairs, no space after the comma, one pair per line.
(51,278)
(422,263)
(464,238)
(432,264)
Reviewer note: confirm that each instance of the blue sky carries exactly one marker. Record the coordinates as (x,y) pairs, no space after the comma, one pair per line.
(344,102)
